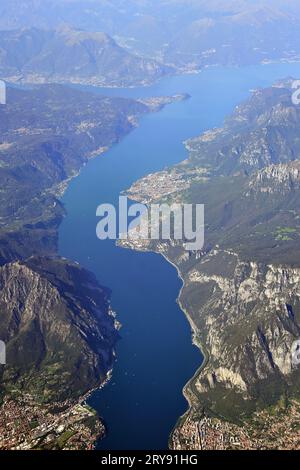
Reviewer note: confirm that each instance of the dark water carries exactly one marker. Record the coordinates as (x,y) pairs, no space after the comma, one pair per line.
(155,356)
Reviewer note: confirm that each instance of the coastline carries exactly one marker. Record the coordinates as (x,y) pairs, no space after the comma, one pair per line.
(188,388)
(40,80)
(186,391)
(59,192)
(195,341)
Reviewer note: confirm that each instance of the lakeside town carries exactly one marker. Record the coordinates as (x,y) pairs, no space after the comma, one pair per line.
(275,428)
(156,186)
(27,425)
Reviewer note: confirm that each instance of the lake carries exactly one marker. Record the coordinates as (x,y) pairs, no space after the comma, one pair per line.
(155,356)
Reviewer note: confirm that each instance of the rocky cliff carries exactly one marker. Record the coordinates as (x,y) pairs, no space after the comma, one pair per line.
(58,330)
(250,321)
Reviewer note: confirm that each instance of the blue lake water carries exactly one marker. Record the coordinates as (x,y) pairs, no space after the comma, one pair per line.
(155,356)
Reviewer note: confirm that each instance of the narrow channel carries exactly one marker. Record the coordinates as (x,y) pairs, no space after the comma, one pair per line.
(155,356)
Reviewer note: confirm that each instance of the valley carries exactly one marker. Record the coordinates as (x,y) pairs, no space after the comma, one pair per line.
(56,319)
(241,292)
(116,343)
(225,276)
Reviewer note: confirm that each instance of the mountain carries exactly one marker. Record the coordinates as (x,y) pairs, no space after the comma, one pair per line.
(47,134)
(261,132)
(57,327)
(187,34)
(38,56)
(252,34)
(241,292)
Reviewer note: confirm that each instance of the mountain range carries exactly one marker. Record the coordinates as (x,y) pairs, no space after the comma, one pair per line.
(240,292)
(72,56)
(186,34)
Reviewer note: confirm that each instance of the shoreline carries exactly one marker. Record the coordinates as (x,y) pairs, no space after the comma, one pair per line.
(194,334)
(195,341)
(21,82)
(60,190)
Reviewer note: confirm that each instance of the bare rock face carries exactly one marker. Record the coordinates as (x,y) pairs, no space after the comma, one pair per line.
(246,323)
(280,178)
(249,321)
(58,329)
